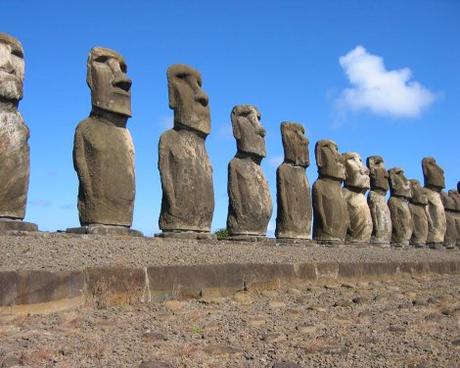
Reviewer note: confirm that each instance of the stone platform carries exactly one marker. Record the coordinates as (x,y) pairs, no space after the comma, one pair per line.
(48,272)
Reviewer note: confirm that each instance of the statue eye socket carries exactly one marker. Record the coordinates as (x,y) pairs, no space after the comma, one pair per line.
(101,59)
(18,53)
(181,75)
(123,67)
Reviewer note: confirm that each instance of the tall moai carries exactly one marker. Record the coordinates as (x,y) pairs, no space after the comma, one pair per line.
(419,212)
(433,176)
(14,137)
(187,203)
(450,238)
(103,152)
(381,216)
(401,219)
(294,212)
(455,195)
(330,213)
(357,183)
(250,204)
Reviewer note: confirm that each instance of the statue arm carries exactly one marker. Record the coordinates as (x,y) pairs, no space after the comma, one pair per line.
(165,174)
(318,199)
(281,193)
(80,162)
(234,192)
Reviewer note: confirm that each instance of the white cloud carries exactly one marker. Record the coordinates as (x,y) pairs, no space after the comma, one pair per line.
(382,91)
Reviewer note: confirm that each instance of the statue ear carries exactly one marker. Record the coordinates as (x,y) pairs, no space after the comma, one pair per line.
(171,93)
(235,125)
(319,155)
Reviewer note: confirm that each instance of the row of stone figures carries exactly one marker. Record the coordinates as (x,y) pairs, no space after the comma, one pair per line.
(103,157)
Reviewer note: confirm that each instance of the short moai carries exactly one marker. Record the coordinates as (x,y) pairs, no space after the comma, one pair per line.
(250,204)
(381,216)
(450,238)
(187,204)
(357,183)
(330,213)
(433,176)
(419,212)
(103,152)
(294,212)
(455,195)
(401,218)
(14,137)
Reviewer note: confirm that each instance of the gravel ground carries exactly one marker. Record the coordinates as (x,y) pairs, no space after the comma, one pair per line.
(54,251)
(407,321)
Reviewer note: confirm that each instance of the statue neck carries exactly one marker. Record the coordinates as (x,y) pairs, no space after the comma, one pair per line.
(109,117)
(8,105)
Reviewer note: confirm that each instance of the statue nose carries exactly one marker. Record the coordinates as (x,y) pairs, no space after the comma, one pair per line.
(201,97)
(122,82)
(7,67)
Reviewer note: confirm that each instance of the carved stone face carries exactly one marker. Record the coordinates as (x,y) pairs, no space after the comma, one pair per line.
(399,185)
(328,159)
(377,173)
(189,102)
(418,194)
(357,174)
(433,175)
(295,144)
(107,79)
(11,68)
(247,130)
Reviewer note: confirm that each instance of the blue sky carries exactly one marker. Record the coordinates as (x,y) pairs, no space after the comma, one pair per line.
(282,56)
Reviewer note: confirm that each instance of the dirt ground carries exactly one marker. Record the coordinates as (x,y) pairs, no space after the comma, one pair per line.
(411,321)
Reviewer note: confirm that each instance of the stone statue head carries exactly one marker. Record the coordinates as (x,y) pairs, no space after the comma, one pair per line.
(328,159)
(418,194)
(11,68)
(189,102)
(357,174)
(247,130)
(377,173)
(107,79)
(295,144)
(433,175)
(399,185)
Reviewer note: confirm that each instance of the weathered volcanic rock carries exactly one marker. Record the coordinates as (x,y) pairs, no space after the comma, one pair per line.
(330,220)
(250,205)
(103,151)
(418,208)
(455,195)
(186,174)
(294,212)
(451,235)
(399,208)
(357,182)
(14,136)
(434,183)
(380,213)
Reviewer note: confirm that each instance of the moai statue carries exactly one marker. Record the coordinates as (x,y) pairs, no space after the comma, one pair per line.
(450,238)
(399,208)
(103,152)
(14,136)
(455,195)
(250,204)
(330,213)
(434,183)
(381,216)
(187,204)
(419,212)
(294,215)
(357,183)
